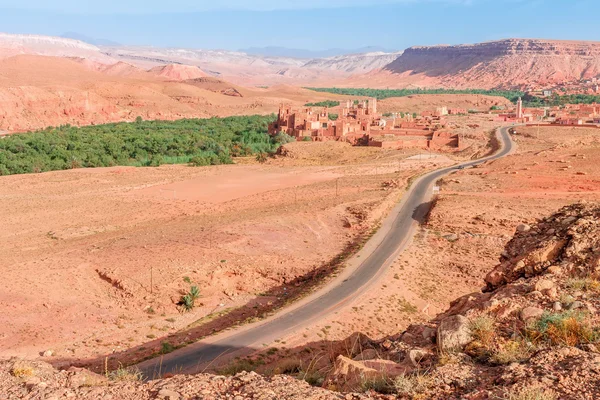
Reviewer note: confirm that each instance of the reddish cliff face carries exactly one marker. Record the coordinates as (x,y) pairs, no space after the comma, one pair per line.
(511,63)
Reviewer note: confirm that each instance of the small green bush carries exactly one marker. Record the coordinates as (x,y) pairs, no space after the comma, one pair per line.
(166,348)
(283,138)
(261,157)
(188,301)
(238,366)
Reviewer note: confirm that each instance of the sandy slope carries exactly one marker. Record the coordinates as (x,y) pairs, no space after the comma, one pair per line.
(39,91)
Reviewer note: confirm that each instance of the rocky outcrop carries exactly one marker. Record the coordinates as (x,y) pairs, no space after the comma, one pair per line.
(510,63)
(511,46)
(453,333)
(37,380)
(568,239)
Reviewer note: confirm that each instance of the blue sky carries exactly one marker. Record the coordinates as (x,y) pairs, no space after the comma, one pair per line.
(308,24)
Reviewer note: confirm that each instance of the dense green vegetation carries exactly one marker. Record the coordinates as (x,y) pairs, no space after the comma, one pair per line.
(559,100)
(381,94)
(512,95)
(142,143)
(326,103)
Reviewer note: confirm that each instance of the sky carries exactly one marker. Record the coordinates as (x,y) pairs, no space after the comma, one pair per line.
(303,24)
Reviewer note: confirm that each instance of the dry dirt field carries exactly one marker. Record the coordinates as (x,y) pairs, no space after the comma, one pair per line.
(426,102)
(472,220)
(98,258)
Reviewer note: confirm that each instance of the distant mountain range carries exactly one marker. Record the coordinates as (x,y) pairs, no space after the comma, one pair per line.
(273,51)
(90,40)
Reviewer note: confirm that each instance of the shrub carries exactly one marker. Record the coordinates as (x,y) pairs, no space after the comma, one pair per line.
(483,329)
(166,347)
(379,384)
(194,292)
(126,375)
(199,161)
(511,351)
(283,138)
(413,384)
(563,329)
(261,157)
(584,284)
(188,300)
(407,307)
(288,366)
(238,366)
(21,369)
(313,377)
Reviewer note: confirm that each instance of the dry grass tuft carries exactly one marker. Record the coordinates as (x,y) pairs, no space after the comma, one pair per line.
(530,393)
(584,284)
(511,351)
(414,385)
(379,384)
(288,366)
(564,329)
(126,375)
(22,370)
(238,366)
(483,329)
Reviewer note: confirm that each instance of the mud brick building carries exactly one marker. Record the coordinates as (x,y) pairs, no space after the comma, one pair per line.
(359,123)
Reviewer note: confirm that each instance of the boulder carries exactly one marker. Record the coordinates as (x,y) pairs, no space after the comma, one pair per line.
(529,313)
(523,228)
(386,368)
(415,356)
(368,354)
(79,377)
(544,284)
(168,394)
(453,333)
(349,374)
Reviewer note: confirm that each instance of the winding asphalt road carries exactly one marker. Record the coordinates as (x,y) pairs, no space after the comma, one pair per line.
(383,248)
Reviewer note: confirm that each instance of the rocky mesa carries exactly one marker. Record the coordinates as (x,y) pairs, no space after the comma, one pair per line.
(506,64)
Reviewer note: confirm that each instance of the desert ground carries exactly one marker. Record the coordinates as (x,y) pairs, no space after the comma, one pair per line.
(99,258)
(471,221)
(41,91)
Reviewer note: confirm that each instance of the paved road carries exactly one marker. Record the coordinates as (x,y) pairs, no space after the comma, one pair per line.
(414,207)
